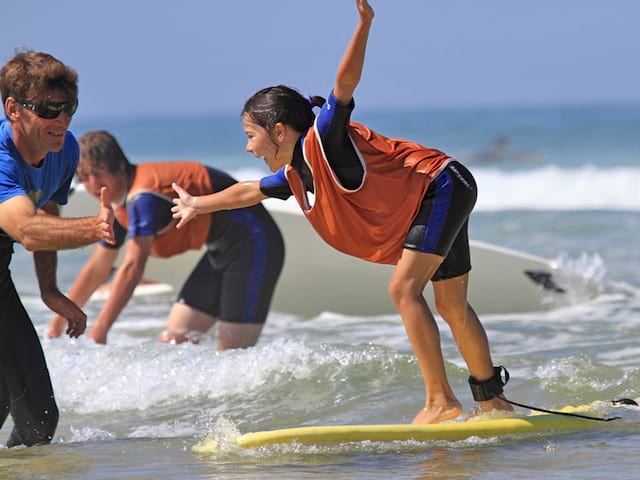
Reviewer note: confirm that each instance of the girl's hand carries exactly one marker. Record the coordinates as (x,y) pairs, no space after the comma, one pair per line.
(184,206)
(365,10)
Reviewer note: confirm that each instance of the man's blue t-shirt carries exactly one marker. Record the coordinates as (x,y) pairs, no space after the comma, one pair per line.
(50,181)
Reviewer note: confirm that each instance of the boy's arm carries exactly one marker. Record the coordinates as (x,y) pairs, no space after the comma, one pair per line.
(124,283)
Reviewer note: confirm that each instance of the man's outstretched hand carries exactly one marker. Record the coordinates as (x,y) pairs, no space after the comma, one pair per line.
(106,217)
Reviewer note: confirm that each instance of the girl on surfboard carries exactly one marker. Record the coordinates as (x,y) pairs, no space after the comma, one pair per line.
(384,200)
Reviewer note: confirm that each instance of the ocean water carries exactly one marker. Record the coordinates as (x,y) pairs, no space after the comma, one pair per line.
(565,187)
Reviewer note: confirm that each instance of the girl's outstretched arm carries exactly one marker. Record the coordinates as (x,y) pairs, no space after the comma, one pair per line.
(238,195)
(350,68)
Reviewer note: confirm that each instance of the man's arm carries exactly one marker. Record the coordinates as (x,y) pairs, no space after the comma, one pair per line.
(122,286)
(93,274)
(37,232)
(46,263)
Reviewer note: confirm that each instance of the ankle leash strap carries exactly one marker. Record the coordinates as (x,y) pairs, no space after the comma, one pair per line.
(491,388)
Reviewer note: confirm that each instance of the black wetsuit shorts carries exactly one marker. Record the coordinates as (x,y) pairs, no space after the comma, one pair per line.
(441,226)
(235,279)
(25,386)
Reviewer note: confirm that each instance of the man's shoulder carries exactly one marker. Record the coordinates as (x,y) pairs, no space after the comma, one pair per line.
(71,148)
(5,130)
(10,174)
(8,164)
(66,159)
(6,142)
(70,141)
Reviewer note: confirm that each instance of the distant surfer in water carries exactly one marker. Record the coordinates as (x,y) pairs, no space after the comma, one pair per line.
(233,283)
(384,200)
(501,151)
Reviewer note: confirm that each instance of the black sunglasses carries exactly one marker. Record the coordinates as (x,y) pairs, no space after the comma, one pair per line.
(51,110)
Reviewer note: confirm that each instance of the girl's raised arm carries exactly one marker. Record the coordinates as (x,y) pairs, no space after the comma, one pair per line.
(350,68)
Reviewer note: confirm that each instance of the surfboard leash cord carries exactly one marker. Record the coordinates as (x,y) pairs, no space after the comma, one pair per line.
(491,388)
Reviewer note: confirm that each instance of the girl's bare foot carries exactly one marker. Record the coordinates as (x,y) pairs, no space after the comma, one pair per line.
(436,414)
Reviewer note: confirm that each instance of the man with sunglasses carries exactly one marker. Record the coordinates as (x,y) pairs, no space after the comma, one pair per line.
(38,158)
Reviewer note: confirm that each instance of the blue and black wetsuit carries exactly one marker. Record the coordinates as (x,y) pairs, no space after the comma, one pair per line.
(235,279)
(25,386)
(441,225)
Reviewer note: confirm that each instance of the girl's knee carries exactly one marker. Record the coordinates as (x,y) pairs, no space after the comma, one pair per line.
(402,292)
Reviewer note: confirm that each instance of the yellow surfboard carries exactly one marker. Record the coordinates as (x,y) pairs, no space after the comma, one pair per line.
(385,433)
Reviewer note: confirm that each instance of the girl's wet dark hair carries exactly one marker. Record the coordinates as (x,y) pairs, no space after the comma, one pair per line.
(282,104)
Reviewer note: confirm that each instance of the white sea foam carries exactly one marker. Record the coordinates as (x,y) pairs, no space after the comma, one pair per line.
(544,188)
(555,188)
(85,434)
(90,378)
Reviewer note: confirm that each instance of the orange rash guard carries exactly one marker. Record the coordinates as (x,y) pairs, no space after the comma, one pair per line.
(370,222)
(157,178)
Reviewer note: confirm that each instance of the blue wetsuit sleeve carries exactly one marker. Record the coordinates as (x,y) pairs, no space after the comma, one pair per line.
(333,120)
(276,185)
(332,124)
(148,213)
(120,234)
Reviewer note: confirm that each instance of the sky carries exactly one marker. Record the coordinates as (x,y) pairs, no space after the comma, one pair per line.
(159,57)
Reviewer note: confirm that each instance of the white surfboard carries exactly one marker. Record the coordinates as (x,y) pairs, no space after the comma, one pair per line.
(318,278)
